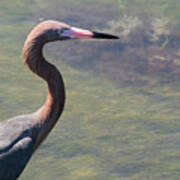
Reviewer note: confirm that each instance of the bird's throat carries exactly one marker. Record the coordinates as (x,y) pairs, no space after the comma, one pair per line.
(47,116)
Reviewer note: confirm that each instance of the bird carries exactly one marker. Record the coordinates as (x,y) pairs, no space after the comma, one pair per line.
(20,136)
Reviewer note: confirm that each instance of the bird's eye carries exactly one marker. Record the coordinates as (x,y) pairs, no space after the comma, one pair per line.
(62,30)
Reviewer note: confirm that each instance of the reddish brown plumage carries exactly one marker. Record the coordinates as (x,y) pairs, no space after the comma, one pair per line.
(47,116)
(45,32)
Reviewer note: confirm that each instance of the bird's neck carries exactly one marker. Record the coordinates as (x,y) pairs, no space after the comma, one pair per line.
(47,116)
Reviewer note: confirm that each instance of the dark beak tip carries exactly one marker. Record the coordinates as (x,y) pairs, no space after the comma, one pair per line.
(104,36)
(116,37)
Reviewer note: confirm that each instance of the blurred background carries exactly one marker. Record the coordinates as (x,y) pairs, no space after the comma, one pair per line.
(122,118)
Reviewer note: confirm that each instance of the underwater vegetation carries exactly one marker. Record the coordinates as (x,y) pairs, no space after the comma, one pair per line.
(121,119)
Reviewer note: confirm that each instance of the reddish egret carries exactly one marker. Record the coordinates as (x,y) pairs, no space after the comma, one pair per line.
(20,136)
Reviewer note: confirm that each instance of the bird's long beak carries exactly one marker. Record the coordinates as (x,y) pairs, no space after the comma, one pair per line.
(77,33)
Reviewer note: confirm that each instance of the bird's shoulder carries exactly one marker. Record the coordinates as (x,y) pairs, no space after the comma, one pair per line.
(14,160)
(13,130)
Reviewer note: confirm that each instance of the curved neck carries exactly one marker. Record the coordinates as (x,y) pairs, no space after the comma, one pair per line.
(48,114)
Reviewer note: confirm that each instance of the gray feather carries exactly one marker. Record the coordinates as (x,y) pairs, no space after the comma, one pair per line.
(16,146)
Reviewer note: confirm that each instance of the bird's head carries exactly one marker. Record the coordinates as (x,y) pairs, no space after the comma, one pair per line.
(69,32)
(54,30)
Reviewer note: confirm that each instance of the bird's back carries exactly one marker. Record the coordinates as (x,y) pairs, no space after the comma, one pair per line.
(16,146)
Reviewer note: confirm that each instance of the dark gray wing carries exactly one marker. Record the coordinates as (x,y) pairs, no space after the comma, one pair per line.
(13,162)
(16,146)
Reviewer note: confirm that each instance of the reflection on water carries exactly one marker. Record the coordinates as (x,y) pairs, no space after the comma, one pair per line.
(121,119)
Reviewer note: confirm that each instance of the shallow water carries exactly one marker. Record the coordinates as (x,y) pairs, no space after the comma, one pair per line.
(108,130)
